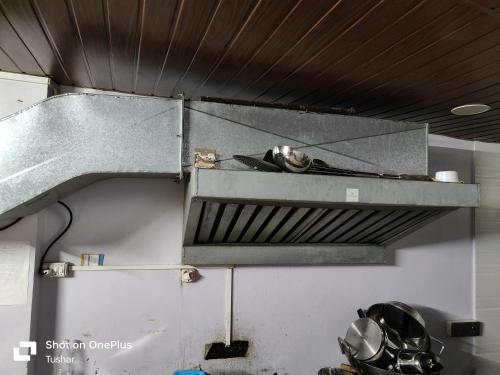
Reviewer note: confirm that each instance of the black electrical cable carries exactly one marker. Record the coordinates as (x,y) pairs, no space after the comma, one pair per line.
(58,237)
(11,224)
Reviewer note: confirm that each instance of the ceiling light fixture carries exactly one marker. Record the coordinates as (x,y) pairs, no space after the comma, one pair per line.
(470,109)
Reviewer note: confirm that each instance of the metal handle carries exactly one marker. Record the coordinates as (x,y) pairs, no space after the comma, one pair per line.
(345,347)
(440,343)
(342,345)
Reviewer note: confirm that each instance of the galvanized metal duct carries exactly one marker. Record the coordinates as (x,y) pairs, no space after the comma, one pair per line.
(349,142)
(66,142)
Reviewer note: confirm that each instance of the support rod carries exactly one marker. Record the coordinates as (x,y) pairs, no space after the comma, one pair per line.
(229,306)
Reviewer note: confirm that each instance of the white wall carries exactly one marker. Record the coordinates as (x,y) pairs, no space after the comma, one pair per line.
(17,92)
(291,315)
(487,161)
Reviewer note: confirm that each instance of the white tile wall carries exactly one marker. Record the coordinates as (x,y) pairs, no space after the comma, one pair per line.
(487,245)
(18,91)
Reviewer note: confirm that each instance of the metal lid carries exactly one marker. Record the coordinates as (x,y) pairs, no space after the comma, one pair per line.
(364,337)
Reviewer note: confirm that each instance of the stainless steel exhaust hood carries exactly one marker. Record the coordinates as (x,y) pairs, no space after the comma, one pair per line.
(243,217)
(258,218)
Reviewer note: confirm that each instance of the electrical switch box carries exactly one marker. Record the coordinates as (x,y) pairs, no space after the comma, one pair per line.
(58,269)
(464,328)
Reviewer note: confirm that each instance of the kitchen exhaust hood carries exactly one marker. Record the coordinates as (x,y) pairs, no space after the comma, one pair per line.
(233,216)
(259,218)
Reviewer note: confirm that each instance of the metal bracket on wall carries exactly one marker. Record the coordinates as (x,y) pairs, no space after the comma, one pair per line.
(204,158)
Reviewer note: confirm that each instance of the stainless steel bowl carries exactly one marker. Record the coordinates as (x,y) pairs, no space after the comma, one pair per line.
(291,160)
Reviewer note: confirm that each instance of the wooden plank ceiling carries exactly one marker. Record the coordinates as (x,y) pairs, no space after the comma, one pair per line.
(395,59)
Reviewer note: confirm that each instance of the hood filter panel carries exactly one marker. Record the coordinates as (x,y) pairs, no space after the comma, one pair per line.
(257,224)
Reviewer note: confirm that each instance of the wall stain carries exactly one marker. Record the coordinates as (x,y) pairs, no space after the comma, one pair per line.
(156,332)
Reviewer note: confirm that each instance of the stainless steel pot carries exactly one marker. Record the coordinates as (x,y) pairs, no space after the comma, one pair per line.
(368,369)
(404,326)
(365,368)
(418,362)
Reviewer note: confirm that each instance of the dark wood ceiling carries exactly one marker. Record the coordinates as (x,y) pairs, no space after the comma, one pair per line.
(396,59)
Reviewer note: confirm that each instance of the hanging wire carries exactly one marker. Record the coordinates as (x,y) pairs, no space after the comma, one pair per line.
(11,224)
(68,225)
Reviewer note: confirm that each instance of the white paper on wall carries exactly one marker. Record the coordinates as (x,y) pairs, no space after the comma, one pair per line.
(14,272)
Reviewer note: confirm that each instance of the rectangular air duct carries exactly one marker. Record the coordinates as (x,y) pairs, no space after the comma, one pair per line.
(349,142)
(68,141)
